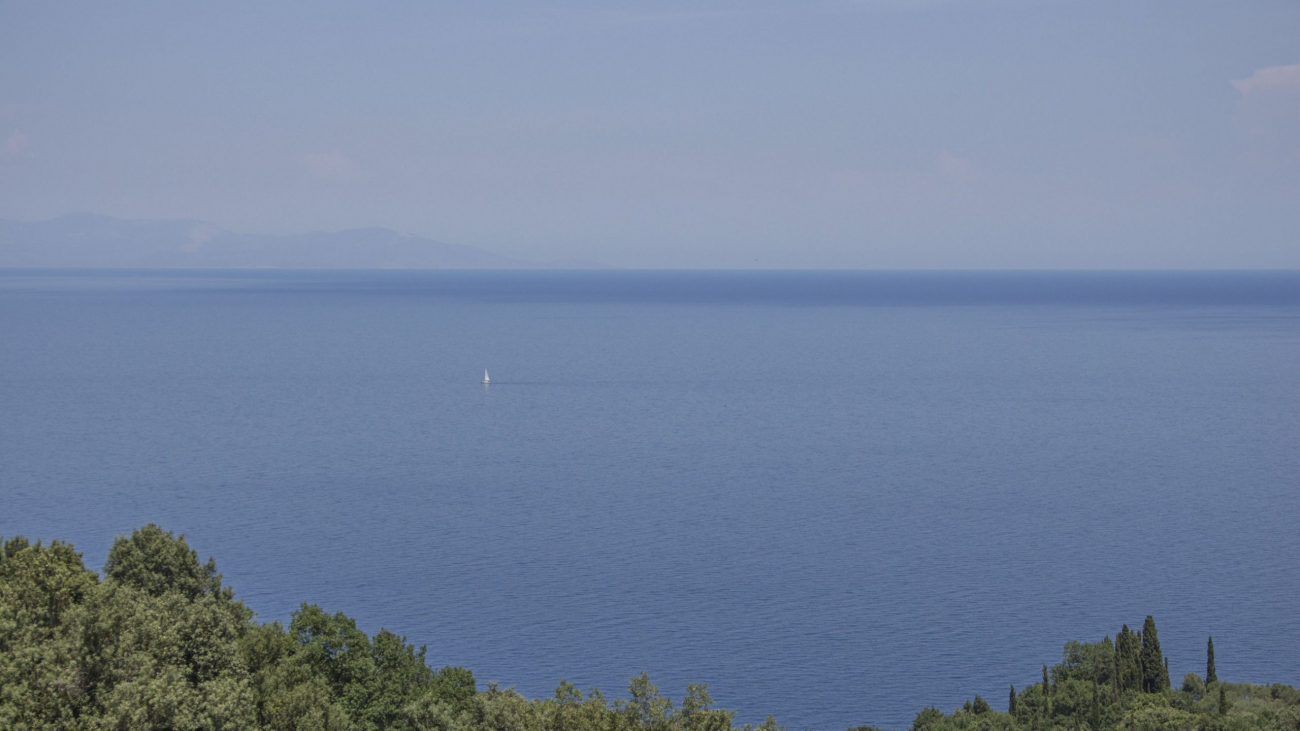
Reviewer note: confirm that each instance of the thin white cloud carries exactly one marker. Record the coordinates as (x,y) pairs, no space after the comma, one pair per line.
(15,147)
(1270,80)
(1269,108)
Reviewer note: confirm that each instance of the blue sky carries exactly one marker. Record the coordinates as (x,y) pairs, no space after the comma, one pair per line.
(835,134)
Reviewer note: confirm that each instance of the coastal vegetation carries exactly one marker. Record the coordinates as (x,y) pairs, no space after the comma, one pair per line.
(160,642)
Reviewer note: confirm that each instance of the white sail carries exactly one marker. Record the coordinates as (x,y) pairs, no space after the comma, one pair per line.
(486,380)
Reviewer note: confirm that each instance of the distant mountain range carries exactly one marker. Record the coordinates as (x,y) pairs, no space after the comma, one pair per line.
(90,241)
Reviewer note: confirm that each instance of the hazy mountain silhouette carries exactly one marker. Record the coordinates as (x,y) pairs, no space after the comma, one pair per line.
(85,240)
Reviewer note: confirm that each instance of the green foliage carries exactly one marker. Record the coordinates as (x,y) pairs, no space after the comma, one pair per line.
(1047,694)
(1080,693)
(290,698)
(373,680)
(41,590)
(1155,673)
(1128,664)
(454,687)
(504,710)
(288,694)
(1090,661)
(1149,715)
(41,583)
(333,647)
(165,662)
(698,714)
(1210,675)
(645,708)
(401,674)
(160,645)
(156,562)
(569,710)
(929,717)
(80,653)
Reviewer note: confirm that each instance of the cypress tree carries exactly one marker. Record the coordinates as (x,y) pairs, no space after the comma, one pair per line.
(1047,697)
(1128,667)
(1155,678)
(1223,702)
(1115,668)
(1094,708)
(1011,703)
(1104,671)
(1134,653)
(1210,677)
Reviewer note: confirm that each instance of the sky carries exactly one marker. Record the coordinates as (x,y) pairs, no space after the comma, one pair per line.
(828,134)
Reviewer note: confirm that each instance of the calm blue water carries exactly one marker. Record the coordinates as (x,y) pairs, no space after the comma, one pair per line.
(834,497)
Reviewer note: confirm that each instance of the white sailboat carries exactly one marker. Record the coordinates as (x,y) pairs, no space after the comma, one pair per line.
(486,380)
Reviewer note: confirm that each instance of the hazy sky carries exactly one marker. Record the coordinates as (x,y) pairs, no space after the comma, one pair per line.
(808,133)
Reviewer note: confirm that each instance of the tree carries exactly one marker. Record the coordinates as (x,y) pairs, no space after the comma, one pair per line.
(334,649)
(980,706)
(401,676)
(1011,702)
(1210,676)
(646,707)
(1223,702)
(155,562)
(288,695)
(40,584)
(291,698)
(1128,668)
(1155,677)
(456,688)
(1095,707)
(1089,661)
(697,712)
(161,663)
(503,710)
(41,591)
(1047,695)
(571,712)
(928,717)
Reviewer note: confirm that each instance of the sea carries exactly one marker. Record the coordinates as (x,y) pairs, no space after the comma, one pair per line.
(834,497)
